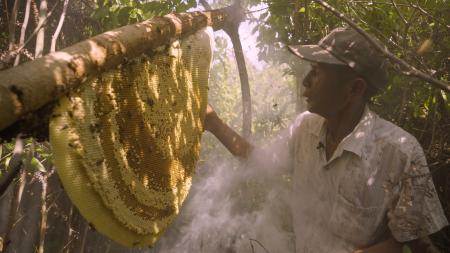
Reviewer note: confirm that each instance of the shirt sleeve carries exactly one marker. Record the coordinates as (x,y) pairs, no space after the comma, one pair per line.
(418,211)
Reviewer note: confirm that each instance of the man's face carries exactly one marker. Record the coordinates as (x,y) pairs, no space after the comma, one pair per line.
(324,93)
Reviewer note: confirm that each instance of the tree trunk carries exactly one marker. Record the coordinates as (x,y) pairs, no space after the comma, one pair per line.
(245,86)
(58,29)
(12,25)
(50,76)
(40,38)
(232,29)
(23,30)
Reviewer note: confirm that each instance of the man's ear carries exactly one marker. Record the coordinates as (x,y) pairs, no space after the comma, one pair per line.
(358,87)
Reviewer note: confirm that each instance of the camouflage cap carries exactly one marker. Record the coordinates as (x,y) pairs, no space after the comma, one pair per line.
(345,46)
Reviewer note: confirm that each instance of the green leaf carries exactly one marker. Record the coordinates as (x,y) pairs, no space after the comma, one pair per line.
(36,164)
(101,12)
(124,15)
(406,249)
(7,161)
(302,10)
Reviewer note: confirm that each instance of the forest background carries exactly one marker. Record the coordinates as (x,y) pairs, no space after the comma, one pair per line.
(36,214)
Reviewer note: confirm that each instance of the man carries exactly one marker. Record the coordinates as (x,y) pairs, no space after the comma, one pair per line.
(360,183)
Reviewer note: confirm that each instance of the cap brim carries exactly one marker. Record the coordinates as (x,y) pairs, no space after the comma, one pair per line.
(314,53)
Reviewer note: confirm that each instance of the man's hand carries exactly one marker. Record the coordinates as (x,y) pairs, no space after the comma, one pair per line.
(391,245)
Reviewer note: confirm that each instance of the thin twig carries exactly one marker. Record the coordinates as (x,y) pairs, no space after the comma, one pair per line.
(427,14)
(409,70)
(380,34)
(253,11)
(398,12)
(260,244)
(58,29)
(407,5)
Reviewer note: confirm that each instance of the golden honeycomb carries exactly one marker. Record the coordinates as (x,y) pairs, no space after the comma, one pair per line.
(126,142)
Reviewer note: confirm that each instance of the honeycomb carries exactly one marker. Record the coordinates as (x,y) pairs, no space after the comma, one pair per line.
(127,141)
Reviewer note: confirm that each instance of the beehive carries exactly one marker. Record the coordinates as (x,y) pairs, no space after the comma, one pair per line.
(126,143)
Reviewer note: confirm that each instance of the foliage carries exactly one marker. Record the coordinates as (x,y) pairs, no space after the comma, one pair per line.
(111,14)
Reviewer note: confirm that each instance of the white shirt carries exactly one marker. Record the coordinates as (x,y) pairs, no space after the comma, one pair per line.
(377,180)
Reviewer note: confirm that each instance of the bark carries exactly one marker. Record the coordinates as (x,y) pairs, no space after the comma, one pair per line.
(245,85)
(23,30)
(40,38)
(12,25)
(14,209)
(13,168)
(58,29)
(44,212)
(51,76)
(232,29)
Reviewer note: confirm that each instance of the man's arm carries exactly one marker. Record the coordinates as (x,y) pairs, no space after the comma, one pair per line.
(237,145)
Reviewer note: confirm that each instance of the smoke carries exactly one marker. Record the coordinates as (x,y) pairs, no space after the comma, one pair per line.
(236,206)
(241,206)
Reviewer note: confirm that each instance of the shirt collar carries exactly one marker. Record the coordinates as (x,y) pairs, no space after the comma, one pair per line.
(355,141)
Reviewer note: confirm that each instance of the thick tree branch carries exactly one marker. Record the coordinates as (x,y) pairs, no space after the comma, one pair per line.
(51,76)
(407,68)
(232,29)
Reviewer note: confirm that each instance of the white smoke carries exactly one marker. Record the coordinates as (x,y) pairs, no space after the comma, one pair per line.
(241,206)
(236,207)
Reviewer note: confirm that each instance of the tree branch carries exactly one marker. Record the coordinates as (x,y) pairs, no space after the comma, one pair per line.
(232,29)
(399,13)
(417,7)
(12,25)
(40,38)
(4,58)
(408,70)
(51,76)
(205,5)
(23,30)
(58,29)
(15,163)
(233,32)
